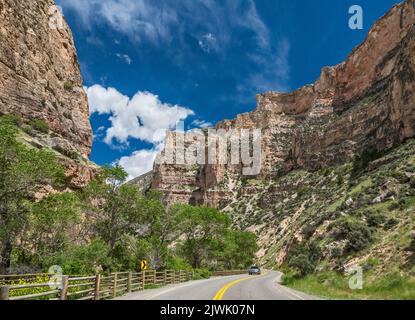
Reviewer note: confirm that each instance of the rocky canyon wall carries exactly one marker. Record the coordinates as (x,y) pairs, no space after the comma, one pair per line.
(40,79)
(366,103)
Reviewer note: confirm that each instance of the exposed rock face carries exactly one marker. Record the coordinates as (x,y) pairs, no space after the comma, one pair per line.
(40,79)
(143,182)
(366,103)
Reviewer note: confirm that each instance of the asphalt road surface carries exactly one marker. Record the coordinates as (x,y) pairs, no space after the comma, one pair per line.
(241,287)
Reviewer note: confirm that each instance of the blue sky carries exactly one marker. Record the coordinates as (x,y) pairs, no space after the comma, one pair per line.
(148,63)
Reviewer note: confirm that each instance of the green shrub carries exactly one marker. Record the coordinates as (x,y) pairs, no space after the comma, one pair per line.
(11,119)
(357,234)
(337,252)
(391,223)
(412,245)
(201,274)
(39,125)
(303,191)
(68,85)
(289,275)
(361,162)
(394,206)
(303,264)
(309,230)
(326,172)
(84,260)
(375,219)
(303,258)
(177,263)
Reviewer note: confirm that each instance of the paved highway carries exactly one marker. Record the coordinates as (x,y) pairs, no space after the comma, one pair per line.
(242,287)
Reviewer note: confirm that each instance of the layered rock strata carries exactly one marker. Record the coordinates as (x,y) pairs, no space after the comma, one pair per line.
(366,103)
(40,80)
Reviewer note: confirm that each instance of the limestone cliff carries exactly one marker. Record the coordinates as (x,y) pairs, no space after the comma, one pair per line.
(366,103)
(40,80)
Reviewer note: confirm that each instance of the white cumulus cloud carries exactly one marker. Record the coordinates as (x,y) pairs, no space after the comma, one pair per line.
(139,163)
(142,117)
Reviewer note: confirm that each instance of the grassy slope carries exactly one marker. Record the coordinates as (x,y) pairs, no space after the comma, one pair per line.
(377,203)
(332,285)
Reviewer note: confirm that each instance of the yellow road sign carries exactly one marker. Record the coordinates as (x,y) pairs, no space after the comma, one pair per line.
(144,265)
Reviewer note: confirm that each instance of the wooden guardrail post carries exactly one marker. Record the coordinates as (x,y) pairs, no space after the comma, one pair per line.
(114,289)
(4,292)
(120,283)
(97,286)
(130,276)
(64,288)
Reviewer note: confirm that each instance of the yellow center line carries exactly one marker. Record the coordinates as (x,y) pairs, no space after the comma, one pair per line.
(224,289)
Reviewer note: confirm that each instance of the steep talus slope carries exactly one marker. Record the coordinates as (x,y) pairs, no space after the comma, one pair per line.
(360,212)
(40,80)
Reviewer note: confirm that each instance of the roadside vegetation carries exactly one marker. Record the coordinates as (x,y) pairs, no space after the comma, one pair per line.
(108,226)
(316,226)
(334,285)
(370,223)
